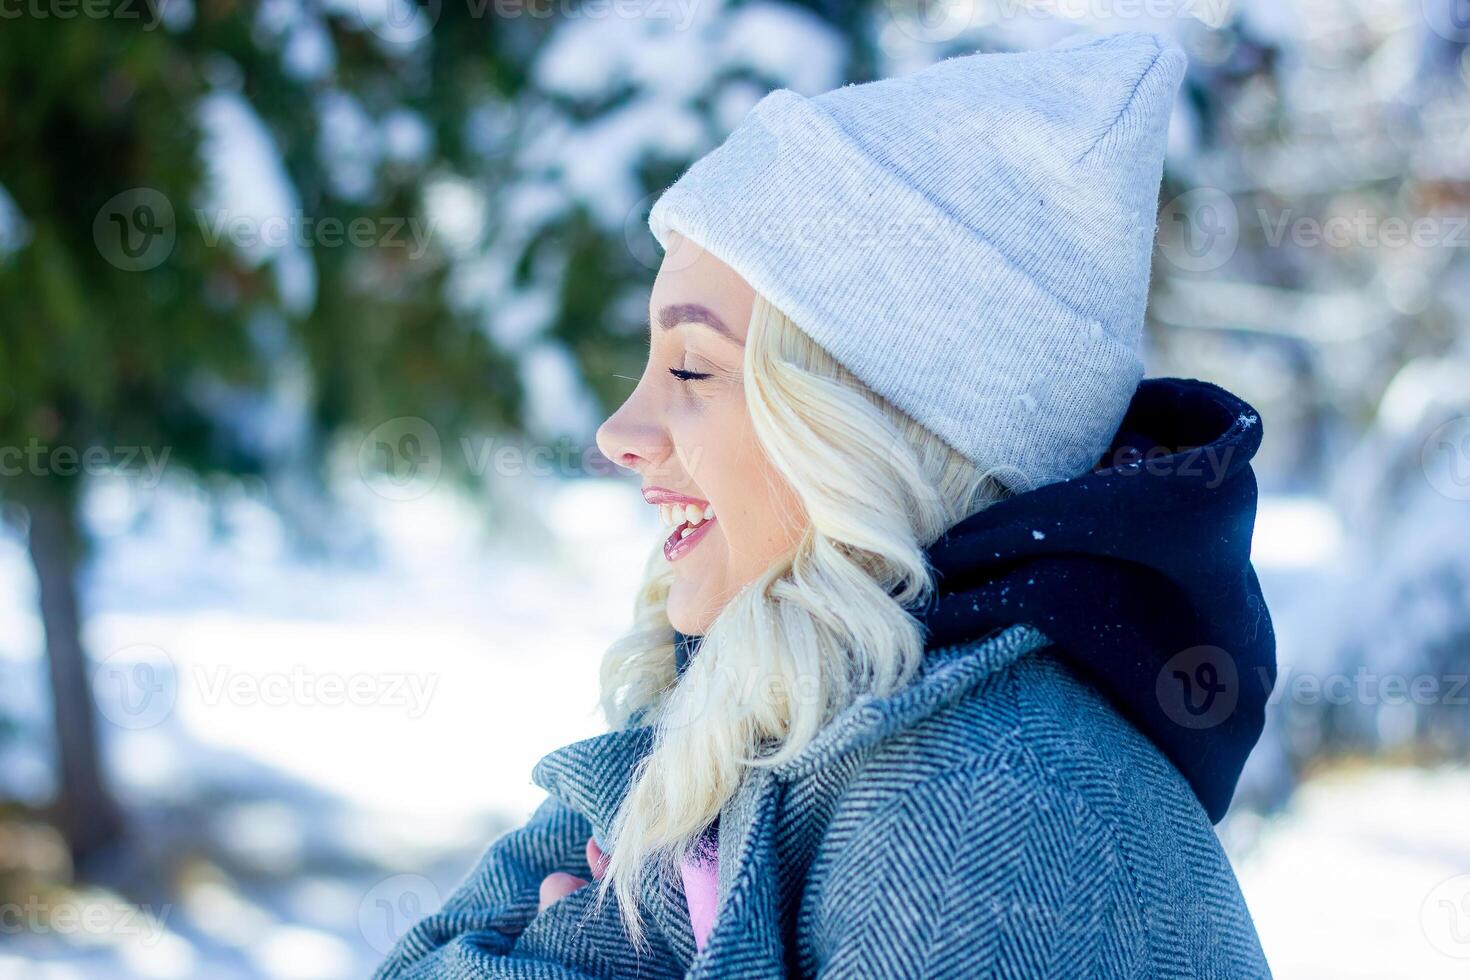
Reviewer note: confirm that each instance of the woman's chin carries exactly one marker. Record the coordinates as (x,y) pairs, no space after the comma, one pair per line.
(689,608)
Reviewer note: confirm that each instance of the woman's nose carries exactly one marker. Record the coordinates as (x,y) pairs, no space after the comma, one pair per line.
(633,438)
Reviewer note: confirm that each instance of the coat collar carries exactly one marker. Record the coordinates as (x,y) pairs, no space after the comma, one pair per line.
(945,676)
(756,831)
(593,775)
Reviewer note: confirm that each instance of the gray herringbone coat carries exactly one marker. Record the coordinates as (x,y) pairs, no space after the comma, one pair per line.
(994,818)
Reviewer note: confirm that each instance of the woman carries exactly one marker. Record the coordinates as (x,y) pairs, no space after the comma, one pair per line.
(953,652)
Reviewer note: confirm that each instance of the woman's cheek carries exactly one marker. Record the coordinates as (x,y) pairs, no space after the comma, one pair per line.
(704,448)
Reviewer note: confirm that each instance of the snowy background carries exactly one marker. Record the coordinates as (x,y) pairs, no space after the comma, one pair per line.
(318,702)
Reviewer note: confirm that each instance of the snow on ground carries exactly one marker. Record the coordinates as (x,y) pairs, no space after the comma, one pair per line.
(315,754)
(1366,876)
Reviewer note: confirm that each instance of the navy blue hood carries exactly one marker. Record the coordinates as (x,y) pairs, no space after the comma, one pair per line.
(1139,572)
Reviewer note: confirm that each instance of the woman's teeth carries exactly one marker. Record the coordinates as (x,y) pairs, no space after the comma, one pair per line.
(690,514)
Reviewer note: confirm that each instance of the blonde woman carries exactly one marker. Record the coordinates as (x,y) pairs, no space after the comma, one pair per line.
(953,652)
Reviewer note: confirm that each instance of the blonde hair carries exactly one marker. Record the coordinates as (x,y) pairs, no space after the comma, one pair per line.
(813,632)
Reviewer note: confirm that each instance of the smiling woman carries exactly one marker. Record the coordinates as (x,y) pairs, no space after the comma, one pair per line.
(929,677)
(778,426)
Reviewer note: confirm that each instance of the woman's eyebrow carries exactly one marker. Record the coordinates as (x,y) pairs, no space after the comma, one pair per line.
(677,313)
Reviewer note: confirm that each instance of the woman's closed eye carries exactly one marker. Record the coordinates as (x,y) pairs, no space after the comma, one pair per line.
(684,375)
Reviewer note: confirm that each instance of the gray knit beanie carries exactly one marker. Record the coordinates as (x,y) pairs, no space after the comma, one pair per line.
(972,241)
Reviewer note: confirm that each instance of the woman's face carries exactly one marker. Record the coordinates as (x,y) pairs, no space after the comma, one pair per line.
(685,429)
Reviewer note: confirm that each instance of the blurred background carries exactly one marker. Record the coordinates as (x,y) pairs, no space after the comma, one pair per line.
(309,310)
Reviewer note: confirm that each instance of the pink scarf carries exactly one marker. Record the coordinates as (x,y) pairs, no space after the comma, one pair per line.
(700,871)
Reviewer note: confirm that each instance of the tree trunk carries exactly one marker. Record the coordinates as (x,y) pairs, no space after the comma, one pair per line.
(86,811)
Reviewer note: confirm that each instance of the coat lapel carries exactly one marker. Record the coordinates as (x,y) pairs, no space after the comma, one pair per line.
(746,939)
(592,776)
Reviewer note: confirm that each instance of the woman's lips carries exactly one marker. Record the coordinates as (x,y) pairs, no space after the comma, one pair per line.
(676,547)
(678,544)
